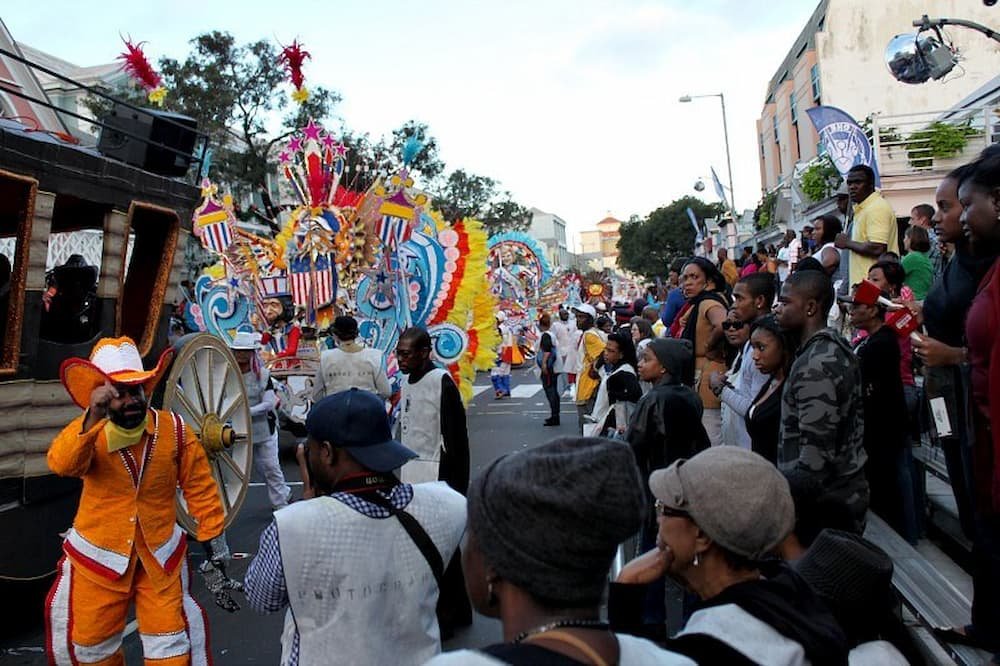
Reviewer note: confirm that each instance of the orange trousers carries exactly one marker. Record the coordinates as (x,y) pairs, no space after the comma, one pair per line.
(85,619)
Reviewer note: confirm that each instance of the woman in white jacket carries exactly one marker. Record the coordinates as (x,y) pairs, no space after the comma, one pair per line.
(619,390)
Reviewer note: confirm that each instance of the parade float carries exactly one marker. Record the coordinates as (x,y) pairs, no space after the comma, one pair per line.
(382,256)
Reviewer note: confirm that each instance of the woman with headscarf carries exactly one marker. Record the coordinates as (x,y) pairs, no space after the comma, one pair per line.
(700,322)
(619,389)
(721,514)
(544,525)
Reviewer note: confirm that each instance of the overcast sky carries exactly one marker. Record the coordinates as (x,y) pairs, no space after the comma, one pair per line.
(571,104)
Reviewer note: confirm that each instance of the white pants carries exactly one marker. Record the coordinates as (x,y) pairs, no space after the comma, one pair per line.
(712,420)
(265,463)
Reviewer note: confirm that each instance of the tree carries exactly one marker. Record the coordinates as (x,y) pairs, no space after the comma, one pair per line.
(232,91)
(646,247)
(467,195)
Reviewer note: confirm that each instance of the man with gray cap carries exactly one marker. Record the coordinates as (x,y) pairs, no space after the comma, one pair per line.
(721,514)
(358,567)
(350,364)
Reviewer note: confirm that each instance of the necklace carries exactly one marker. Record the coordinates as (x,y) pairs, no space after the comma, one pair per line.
(562,624)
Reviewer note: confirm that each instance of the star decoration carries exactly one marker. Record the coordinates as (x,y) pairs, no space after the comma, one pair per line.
(284,157)
(340,150)
(234,283)
(295,144)
(311,130)
(329,141)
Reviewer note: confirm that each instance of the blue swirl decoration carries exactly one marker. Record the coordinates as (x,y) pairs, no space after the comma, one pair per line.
(223,307)
(449,342)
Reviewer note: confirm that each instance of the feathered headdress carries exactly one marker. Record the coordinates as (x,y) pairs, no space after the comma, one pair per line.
(134,62)
(292,58)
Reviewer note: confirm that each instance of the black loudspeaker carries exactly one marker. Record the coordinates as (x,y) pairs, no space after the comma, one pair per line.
(145,128)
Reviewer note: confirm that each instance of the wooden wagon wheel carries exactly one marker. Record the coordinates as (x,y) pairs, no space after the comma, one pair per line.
(205,386)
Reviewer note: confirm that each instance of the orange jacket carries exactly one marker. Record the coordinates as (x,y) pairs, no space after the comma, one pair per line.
(135,489)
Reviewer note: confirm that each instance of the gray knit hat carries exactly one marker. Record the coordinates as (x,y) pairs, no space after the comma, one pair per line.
(735,496)
(550,519)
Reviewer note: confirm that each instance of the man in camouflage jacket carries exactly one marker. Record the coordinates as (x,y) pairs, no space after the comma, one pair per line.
(822,419)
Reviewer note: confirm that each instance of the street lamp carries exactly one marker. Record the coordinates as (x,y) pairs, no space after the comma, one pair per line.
(725,131)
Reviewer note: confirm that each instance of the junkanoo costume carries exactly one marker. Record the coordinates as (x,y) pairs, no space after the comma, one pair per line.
(125,544)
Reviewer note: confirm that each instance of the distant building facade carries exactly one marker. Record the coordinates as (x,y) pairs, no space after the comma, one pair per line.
(16,77)
(838,60)
(550,230)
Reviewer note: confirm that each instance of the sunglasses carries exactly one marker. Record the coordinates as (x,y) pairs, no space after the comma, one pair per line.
(668,512)
(733,325)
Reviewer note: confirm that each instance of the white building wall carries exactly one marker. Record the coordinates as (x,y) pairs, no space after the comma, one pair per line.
(851,48)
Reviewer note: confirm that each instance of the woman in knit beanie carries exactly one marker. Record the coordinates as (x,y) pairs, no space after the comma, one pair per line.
(544,526)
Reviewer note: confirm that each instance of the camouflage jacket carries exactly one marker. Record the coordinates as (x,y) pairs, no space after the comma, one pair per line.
(822,419)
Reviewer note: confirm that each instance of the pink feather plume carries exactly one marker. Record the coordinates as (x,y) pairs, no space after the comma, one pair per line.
(134,62)
(293,57)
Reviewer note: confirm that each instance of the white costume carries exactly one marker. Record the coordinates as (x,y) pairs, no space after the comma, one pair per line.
(420,426)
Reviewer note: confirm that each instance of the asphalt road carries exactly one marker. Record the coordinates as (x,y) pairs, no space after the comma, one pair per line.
(496,427)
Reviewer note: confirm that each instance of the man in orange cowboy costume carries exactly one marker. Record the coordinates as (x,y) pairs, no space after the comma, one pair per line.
(125,545)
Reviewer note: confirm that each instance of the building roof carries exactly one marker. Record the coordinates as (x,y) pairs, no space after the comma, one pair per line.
(25,79)
(88,76)
(608,221)
(806,41)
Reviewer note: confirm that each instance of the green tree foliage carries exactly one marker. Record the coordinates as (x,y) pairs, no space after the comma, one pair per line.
(820,179)
(647,246)
(465,195)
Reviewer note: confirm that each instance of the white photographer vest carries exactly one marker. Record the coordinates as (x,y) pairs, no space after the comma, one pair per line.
(420,426)
(359,590)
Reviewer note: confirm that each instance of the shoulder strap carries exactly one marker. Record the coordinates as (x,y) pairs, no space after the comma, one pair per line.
(569,639)
(418,534)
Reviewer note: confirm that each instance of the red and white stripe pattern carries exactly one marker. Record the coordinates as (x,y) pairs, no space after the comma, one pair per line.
(318,282)
(276,285)
(58,619)
(393,231)
(217,237)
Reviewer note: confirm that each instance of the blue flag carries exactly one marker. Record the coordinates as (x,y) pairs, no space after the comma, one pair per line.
(719,189)
(694,223)
(844,140)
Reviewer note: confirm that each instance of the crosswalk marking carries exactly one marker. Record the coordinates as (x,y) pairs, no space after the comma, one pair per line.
(476,390)
(525,390)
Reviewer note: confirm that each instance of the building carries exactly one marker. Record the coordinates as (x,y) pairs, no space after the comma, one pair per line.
(71,97)
(550,230)
(838,60)
(16,77)
(599,247)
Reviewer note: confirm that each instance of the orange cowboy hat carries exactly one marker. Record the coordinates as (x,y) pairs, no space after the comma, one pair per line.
(114,360)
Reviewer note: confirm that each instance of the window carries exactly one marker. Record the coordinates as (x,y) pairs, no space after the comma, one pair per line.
(814,77)
(71,310)
(17,210)
(794,108)
(154,232)
(774,122)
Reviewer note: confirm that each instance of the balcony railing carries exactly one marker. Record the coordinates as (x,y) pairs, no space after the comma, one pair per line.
(933,142)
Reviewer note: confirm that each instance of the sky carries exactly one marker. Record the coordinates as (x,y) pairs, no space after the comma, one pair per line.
(571,105)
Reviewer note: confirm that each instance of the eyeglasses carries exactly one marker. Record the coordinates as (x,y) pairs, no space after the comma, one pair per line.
(668,512)
(733,325)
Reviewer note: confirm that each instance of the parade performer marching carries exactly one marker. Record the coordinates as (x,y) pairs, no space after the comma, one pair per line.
(263,419)
(125,545)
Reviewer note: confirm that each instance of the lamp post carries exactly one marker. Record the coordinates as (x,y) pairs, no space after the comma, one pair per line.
(725,133)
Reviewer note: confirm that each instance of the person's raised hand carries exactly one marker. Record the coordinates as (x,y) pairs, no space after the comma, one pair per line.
(100,401)
(646,568)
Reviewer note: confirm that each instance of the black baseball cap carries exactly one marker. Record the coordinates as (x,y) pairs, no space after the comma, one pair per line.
(355,420)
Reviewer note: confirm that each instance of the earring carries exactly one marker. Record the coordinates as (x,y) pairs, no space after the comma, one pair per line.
(696,560)
(491,595)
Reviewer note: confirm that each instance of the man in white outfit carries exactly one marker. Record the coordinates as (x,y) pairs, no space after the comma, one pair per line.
(564,340)
(350,364)
(358,567)
(432,425)
(263,420)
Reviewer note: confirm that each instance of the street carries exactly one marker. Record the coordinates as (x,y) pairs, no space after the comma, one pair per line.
(496,427)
